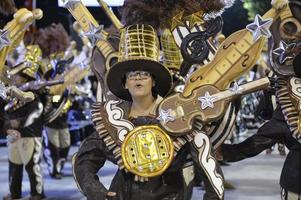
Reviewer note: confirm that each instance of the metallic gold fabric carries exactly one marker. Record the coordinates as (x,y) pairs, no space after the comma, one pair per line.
(147,151)
(172,57)
(138,42)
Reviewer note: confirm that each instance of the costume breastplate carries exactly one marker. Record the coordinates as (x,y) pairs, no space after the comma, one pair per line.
(115,129)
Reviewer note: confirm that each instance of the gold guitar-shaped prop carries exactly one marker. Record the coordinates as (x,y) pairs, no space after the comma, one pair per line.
(235,56)
(13,32)
(201,97)
(118,25)
(92,29)
(75,74)
(207,103)
(14,93)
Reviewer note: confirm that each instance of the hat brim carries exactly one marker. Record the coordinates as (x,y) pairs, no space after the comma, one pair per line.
(117,73)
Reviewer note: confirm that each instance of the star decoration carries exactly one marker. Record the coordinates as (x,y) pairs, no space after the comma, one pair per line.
(28,63)
(283,51)
(177,21)
(235,88)
(4,39)
(260,27)
(71,4)
(94,34)
(195,19)
(165,116)
(207,101)
(2,91)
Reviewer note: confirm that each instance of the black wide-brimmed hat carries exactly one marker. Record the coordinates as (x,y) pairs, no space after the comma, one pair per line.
(138,51)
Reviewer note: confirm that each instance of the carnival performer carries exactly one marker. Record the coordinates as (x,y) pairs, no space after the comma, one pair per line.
(20,110)
(58,140)
(54,42)
(284,126)
(23,125)
(140,81)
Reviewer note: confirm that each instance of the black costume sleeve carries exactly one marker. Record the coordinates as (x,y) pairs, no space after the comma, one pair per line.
(89,159)
(33,113)
(271,132)
(33,130)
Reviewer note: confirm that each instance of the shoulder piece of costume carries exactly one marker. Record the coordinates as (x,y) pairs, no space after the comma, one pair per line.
(289,97)
(113,117)
(284,53)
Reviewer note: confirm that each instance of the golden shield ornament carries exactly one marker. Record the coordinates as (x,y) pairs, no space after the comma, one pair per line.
(147,151)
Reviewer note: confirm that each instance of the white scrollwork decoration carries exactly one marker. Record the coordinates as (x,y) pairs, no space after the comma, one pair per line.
(208,162)
(116,118)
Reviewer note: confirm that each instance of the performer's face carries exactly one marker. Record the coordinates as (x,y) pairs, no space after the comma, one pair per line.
(139,83)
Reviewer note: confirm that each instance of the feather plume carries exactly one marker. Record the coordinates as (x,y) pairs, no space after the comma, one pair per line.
(7,7)
(158,12)
(51,39)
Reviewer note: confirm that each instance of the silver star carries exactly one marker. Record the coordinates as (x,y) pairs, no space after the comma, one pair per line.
(283,51)
(71,4)
(4,39)
(235,88)
(94,34)
(165,116)
(2,91)
(260,27)
(28,64)
(207,101)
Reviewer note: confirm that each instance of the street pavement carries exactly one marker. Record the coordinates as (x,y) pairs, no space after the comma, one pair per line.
(255,178)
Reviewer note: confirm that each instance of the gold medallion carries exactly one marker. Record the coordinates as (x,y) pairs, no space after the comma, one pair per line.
(147,151)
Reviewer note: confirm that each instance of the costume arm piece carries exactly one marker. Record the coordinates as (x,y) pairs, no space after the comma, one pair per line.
(267,135)
(86,163)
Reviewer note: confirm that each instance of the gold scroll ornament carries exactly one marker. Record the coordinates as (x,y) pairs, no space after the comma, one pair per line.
(147,151)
